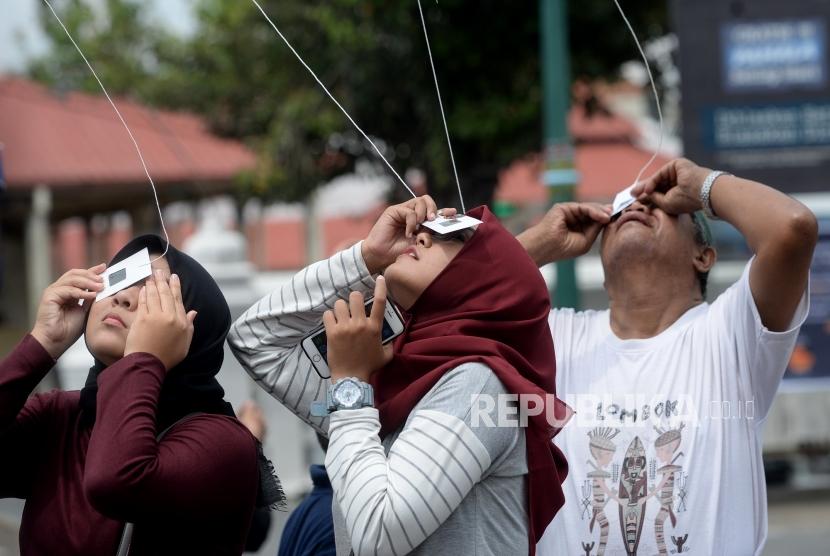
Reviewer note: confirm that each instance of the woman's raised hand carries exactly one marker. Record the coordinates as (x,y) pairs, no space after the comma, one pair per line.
(354,339)
(395,229)
(161,327)
(60,319)
(675,188)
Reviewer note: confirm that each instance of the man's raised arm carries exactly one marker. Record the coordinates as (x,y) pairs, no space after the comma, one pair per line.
(781,231)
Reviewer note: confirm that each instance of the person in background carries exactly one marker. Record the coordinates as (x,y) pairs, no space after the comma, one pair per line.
(250,414)
(310,528)
(671,392)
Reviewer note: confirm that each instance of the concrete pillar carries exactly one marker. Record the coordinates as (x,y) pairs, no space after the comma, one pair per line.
(71,242)
(38,244)
(99,229)
(119,233)
(38,257)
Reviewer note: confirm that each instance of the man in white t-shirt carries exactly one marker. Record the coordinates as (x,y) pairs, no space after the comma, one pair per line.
(671,392)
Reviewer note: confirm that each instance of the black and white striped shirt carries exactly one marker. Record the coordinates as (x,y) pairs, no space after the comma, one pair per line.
(438,485)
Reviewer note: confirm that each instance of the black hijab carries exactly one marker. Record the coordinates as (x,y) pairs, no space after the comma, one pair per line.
(191,386)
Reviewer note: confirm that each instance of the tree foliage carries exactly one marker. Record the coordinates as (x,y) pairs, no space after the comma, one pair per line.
(118,41)
(236,72)
(599,38)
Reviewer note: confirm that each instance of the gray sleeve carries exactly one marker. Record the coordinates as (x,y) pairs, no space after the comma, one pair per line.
(267,338)
(473,393)
(392,502)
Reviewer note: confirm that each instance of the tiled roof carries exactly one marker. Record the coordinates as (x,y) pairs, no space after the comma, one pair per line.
(605,156)
(76,139)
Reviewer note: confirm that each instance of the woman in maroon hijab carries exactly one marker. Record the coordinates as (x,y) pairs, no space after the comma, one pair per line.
(426,454)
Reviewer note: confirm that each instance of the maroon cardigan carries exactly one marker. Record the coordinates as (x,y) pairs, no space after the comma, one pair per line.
(192,493)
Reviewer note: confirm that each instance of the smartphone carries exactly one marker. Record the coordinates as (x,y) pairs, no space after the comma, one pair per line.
(315,344)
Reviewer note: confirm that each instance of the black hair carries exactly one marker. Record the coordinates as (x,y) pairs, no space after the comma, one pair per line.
(702,239)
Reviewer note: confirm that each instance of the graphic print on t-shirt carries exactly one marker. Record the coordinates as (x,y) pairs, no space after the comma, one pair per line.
(716,370)
(602,449)
(633,495)
(640,483)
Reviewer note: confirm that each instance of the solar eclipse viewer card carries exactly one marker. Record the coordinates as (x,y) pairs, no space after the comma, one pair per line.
(622,201)
(443,225)
(125,273)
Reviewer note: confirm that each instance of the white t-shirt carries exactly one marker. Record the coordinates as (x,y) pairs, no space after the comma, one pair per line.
(665,447)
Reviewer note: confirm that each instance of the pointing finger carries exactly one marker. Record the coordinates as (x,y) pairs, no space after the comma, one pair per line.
(329,322)
(379,303)
(70,293)
(356,305)
(153,301)
(420,210)
(176,291)
(411,223)
(165,295)
(431,207)
(598,214)
(341,311)
(142,299)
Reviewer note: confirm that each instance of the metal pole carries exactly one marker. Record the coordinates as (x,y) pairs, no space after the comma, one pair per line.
(559,174)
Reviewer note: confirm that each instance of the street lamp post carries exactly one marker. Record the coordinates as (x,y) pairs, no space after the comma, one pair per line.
(560,175)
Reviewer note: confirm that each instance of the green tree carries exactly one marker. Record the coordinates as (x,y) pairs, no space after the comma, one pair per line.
(237,73)
(599,39)
(118,40)
(373,56)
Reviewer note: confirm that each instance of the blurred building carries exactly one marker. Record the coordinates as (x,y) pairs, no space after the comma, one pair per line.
(66,155)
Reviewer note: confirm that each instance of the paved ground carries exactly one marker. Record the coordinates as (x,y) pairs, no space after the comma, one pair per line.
(798,525)
(10,511)
(9,516)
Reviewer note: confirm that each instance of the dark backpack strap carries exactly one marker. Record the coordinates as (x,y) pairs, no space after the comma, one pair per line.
(127,534)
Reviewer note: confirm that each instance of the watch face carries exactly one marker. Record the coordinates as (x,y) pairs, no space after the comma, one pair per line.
(347,394)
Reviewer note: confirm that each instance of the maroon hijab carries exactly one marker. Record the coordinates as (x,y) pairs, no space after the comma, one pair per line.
(489,305)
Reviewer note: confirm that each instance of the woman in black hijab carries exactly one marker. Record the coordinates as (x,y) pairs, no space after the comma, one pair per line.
(149,440)
(192,386)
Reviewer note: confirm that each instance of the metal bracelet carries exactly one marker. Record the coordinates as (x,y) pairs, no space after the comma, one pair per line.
(706,193)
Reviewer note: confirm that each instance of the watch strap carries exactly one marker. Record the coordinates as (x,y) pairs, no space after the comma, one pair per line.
(706,193)
(325,408)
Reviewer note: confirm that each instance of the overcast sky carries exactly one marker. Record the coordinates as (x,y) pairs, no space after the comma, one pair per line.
(21,38)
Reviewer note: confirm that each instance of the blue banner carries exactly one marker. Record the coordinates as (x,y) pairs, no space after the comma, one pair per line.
(811,358)
(759,126)
(774,55)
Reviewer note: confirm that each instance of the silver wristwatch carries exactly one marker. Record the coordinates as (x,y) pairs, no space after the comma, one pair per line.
(706,193)
(346,393)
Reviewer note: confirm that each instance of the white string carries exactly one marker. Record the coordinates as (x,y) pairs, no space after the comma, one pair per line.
(441,106)
(130,133)
(317,79)
(653,88)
